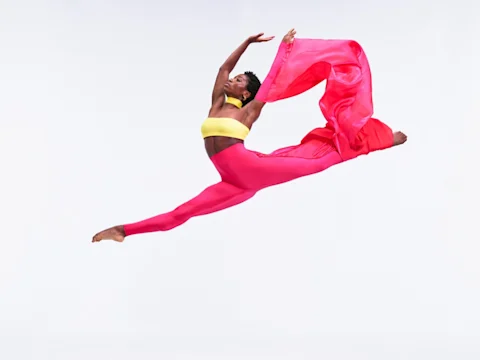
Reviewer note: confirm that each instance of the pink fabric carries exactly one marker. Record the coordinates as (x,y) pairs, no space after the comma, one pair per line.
(350,130)
(347,103)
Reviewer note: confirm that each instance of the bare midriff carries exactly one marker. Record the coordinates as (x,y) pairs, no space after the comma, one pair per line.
(215,144)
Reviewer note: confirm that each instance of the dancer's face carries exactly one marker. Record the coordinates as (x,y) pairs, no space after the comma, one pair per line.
(237,87)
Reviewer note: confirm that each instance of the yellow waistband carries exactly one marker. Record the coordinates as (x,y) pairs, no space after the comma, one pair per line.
(227,127)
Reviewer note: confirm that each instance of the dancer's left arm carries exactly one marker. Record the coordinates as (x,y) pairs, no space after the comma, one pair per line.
(254,109)
(256,105)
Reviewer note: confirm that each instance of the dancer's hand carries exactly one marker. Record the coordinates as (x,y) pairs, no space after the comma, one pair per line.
(288,38)
(259,38)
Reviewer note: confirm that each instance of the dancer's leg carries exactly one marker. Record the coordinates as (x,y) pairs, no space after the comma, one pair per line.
(374,136)
(254,171)
(273,169)
(316,153)
(214,198)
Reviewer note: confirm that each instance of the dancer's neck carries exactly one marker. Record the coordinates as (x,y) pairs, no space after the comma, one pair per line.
(234,102)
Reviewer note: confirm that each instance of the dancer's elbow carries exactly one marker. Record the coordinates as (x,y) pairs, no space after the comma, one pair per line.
(225,68)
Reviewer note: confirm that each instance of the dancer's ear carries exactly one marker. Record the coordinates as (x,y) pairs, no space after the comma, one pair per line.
(246,95)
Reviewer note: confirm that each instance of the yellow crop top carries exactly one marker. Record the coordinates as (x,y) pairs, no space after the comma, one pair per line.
(225,126)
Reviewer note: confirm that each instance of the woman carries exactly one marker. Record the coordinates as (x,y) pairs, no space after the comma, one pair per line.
(298,66)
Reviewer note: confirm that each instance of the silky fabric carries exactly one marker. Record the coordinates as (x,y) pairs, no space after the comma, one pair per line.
(347,102)
(350,130)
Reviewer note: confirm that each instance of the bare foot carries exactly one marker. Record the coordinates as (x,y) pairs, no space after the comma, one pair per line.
(399,138)
(115,233)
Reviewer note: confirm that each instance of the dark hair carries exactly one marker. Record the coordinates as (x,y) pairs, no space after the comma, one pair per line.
(252,86)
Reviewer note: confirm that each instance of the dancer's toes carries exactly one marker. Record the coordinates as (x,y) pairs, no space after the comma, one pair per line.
(115,233)
(399,138)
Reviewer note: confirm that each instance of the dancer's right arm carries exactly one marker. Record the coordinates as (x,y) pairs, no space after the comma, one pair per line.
(218,96)
(280,58)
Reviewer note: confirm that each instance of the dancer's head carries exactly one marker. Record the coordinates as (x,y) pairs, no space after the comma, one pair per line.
(243,87)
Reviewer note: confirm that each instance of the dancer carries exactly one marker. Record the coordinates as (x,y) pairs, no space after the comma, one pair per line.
(299,65)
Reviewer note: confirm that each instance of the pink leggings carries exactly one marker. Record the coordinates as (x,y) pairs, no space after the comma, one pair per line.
(244,173)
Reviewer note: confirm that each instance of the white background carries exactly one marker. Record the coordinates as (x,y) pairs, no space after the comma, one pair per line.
(101,104)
